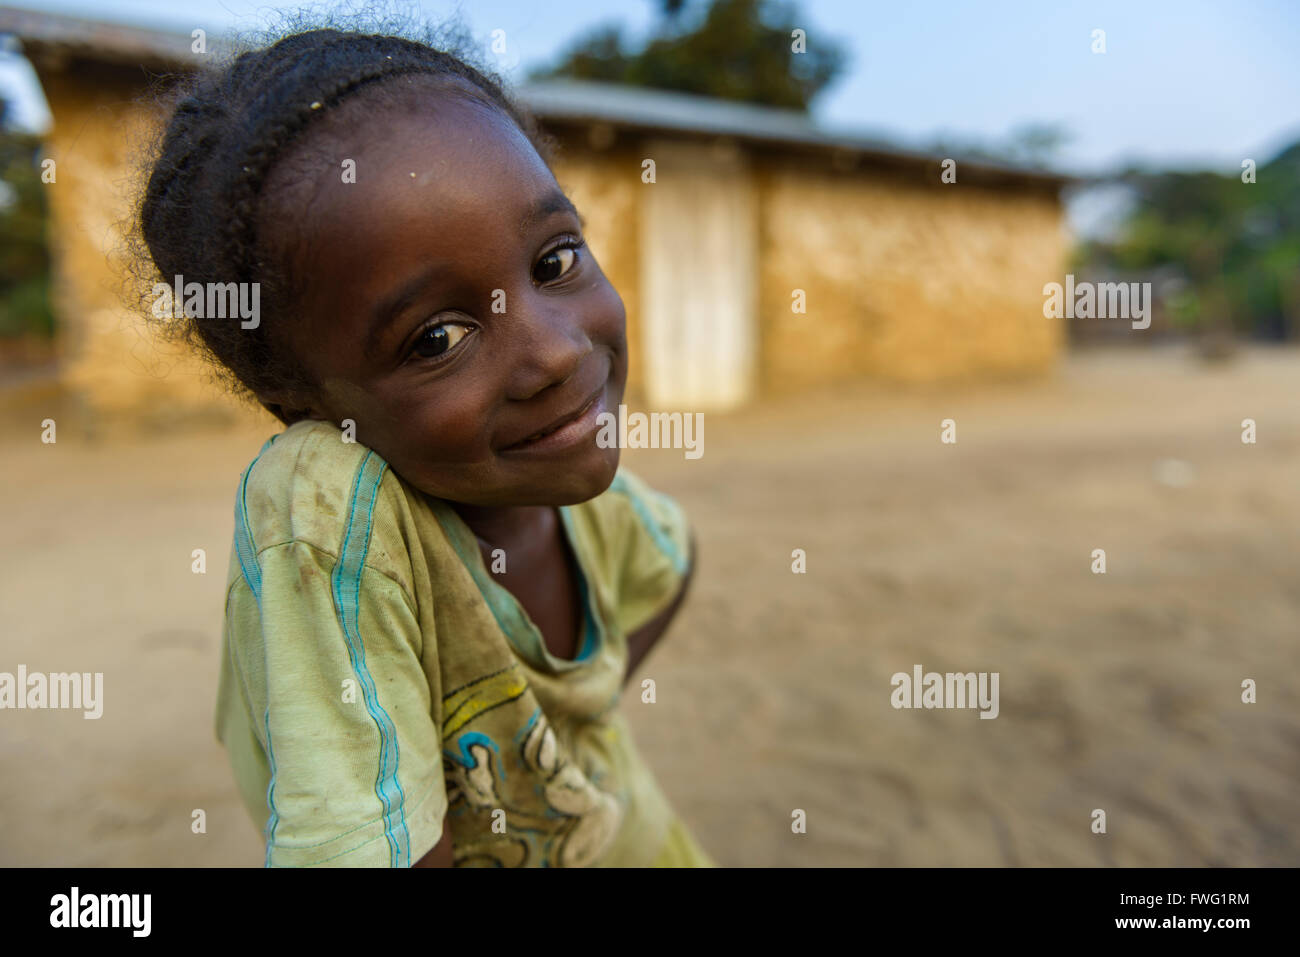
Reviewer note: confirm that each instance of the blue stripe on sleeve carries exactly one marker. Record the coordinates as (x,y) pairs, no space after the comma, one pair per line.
(244,545)
(246,550)
(347,589)
(274,819)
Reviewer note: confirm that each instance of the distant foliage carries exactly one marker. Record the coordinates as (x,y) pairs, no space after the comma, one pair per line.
(741,50)
(24,258)
(1233,246)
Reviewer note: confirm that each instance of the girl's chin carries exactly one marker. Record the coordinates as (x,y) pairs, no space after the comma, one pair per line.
(578,482)
(572,488)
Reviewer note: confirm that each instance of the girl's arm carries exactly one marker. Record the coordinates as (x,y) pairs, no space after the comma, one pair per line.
(643,639)
(440,854)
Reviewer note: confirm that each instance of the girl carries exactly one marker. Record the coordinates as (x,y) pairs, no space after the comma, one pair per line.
(440,581)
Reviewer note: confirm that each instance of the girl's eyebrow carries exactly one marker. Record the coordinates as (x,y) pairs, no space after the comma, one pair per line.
(392,306)
(553,202)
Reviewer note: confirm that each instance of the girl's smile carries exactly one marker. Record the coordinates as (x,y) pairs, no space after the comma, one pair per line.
(456,315)
(569,429)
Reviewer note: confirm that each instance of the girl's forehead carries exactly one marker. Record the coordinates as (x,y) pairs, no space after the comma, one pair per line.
(468,161)
(446,140)
(444,113)
(426,159)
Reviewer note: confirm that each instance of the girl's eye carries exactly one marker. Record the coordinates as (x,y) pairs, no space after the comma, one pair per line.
(440,339)
(555,263)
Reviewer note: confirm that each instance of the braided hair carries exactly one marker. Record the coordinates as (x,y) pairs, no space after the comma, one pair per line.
(199,214)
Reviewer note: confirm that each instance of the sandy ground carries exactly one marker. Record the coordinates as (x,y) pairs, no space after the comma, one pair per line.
(1119,691)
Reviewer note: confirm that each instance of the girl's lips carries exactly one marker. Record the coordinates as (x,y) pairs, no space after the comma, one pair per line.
(570,432)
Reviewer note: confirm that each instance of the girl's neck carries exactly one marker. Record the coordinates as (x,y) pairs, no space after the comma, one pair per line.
(503,526)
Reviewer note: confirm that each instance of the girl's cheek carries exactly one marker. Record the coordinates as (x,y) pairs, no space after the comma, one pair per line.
(610,316)
(457,432)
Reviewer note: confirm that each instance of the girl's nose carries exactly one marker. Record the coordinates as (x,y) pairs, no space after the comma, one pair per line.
(550,346)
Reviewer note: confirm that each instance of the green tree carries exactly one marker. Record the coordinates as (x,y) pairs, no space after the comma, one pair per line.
(24,257)
(1237,244)
(743,50)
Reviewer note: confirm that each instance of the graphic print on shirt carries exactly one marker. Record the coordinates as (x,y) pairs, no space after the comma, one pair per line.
(554,815)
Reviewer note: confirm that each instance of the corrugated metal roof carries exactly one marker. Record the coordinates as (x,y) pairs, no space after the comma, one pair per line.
(580,101)
(97,39)
(663,109)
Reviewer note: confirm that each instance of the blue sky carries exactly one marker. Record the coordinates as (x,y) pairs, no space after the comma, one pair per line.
(1185,83)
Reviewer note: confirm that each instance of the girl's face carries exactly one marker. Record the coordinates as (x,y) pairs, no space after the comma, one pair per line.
(451,310)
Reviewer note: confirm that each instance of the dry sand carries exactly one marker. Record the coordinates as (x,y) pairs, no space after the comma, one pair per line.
(1119,691)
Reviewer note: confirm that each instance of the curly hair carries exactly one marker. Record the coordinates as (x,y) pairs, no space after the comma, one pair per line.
(203,211)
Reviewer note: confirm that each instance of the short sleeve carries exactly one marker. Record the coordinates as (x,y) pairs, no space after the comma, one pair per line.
(327,658)
(654,555)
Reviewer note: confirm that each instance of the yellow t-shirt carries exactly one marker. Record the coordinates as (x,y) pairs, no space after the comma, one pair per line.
(375,678)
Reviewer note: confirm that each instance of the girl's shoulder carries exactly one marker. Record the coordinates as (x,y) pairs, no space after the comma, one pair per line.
(311,484)
(639,541)
(631,513)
